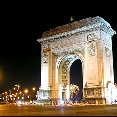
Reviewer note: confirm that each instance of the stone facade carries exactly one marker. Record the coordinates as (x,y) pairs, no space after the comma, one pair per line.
(89,40)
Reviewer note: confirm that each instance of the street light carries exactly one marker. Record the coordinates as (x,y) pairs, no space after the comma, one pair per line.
(33,88)
(18,86)
(20,92)
(26,90)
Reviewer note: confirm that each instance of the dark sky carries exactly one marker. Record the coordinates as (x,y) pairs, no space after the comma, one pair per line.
(21,24)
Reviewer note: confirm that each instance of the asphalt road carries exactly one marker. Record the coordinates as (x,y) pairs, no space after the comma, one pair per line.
(37,110)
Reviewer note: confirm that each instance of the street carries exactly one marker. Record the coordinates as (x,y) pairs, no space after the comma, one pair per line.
(42,110)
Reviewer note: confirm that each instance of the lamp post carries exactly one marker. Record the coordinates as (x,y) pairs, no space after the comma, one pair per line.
(26,92)
(33,94)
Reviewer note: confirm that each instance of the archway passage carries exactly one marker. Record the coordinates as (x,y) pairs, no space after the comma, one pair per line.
(76,78)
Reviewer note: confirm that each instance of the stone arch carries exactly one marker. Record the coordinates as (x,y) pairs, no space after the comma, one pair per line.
(90,40)
(64,78)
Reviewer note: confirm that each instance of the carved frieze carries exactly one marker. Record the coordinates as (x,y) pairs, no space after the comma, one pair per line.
(97,92)
(91,48)
(68,45)
(93,92)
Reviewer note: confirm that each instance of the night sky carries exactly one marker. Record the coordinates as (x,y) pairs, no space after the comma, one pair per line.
(21,24)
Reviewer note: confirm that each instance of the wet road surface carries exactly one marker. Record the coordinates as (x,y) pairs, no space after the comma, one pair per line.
(37,110)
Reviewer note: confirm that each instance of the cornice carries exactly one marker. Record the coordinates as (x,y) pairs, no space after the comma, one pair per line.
(87,25)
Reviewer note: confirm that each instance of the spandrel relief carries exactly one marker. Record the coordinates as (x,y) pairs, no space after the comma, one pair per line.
(91,48)
(92,37)
(91,40)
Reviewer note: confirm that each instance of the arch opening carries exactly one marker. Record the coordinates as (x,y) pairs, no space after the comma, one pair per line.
(70,74)
(76,79)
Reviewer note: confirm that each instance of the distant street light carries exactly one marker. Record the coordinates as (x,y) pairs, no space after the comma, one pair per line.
(33,88)
(26,90)
(18,87)
(20,92)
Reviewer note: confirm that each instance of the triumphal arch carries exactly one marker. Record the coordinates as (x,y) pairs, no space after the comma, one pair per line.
(89,40)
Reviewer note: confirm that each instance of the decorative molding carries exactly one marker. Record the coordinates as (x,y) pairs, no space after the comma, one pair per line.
(106,28)
(44,58)
(76,28)
(107,52)
(93,92)
(46,49)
